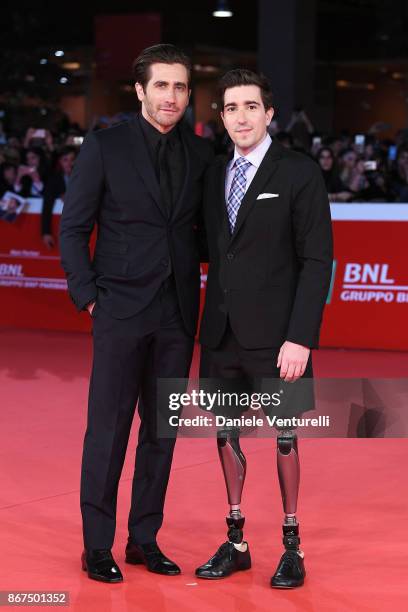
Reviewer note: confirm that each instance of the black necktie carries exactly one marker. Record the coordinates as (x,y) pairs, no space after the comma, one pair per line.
(164,174)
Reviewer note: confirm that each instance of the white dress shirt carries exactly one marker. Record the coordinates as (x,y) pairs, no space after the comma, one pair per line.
(255,157)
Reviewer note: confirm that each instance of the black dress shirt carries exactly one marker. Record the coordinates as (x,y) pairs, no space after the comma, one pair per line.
(167,154)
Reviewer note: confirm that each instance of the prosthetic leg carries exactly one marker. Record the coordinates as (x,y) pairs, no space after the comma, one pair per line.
(290,572)
(234,554)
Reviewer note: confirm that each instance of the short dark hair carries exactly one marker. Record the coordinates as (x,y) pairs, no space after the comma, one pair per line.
(158,54)
(241,76)
(325,150)
(67,150)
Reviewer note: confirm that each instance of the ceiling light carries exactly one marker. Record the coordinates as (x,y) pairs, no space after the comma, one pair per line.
(222,9)
(71,65)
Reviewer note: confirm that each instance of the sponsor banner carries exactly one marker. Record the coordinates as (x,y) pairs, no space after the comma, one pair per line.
(33,289)
(366,305)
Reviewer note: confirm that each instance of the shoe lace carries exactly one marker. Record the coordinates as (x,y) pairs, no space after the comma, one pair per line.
(222,550)
(290,560)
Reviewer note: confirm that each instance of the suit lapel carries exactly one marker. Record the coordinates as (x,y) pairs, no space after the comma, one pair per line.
(144,167)
(264,172)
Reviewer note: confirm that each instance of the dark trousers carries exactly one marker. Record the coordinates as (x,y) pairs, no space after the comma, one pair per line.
(126,365)
(234,369)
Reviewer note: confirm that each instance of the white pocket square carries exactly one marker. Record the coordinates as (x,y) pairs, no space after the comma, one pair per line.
(263,196)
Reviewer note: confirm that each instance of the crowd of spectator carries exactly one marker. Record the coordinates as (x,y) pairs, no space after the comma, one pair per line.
(355,167)
(38,165)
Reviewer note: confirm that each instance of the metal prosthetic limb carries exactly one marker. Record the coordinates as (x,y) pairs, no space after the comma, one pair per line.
(289,472)
(233,464)
(289,475)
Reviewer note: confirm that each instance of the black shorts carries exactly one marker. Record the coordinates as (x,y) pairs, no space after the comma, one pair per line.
(236,373)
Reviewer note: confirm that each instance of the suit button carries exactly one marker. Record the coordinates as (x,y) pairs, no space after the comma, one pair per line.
(225,290)
(230,256)
(164,263)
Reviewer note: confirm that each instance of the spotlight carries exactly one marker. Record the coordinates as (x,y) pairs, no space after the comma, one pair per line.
(59,53)
(63,80)
(222,9)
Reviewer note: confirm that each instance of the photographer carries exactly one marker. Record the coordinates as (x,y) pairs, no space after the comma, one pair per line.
(31,175)
(368,183)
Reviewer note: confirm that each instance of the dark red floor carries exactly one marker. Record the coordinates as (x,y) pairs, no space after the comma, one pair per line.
(352,505)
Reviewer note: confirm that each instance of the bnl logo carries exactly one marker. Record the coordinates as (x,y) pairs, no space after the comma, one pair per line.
(360,274)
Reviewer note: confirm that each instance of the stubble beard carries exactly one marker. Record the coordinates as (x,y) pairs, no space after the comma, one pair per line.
(159,119)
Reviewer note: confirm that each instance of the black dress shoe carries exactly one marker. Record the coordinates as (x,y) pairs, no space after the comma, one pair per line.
(100,565)
(225,562)
(152,557)
(290,572)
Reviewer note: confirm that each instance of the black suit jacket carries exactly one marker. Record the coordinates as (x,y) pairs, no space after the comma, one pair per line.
(271,277)
(113,184)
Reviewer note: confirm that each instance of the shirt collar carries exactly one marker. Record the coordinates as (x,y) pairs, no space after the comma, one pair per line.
(256,156)
(153,135)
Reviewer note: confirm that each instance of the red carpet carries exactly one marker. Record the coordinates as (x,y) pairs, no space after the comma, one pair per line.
(352,505)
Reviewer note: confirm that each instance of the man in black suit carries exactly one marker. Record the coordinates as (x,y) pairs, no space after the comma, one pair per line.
(140,182)
(267,219)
